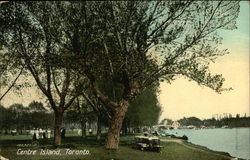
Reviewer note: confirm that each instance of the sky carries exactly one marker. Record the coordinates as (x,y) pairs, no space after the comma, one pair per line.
(183,98)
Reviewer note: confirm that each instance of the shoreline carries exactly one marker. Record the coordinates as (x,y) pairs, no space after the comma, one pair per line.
(234,141)
(201,148)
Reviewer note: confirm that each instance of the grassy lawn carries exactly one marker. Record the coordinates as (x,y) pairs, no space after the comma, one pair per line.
(171,150)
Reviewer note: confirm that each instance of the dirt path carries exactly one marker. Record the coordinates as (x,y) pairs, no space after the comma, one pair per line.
(195,148)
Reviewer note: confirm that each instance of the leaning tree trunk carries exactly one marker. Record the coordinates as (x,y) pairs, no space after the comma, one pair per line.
(115,126)
(99,129)
(57,129)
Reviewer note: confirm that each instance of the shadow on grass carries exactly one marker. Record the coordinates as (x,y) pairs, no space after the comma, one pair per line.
(67,142)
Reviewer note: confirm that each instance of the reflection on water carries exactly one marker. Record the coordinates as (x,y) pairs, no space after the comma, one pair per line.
(235,141)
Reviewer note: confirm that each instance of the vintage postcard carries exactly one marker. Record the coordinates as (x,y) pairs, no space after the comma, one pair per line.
(124,80)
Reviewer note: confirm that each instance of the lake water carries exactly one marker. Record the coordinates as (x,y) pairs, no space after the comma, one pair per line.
(235,141)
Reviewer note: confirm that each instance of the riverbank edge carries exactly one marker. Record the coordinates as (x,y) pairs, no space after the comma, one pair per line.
(200,147)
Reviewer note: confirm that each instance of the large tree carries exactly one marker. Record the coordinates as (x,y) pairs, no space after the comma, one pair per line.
(130,45)
(28,35)
(137,44)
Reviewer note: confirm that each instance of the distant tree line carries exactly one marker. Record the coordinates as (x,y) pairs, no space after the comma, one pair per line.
(190,121)
(22,118)
(230,121)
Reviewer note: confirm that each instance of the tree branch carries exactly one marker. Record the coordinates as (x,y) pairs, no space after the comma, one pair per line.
(13,83)
(55,84)
(105,100)
(34,72)
(67,105)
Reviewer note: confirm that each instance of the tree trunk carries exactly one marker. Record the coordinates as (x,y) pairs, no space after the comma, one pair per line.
(115,126)
(83,125)
(57,129)
(99,129)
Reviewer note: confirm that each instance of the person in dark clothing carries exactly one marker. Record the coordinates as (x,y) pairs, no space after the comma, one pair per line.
(44,135)
(63,133)
(34,137)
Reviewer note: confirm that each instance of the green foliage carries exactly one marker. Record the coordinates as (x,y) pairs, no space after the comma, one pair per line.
(35,106)
(76,114)
(72,116)
(4,118)
(38,116)
(228,121)
(128,41)
(19,117)
(190,121)
(144,110)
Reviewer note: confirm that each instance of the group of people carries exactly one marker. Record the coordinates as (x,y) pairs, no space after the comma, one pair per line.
(40,133)
(79,131)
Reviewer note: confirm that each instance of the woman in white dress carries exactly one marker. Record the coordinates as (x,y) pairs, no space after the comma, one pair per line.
(37,133)
(49,133)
